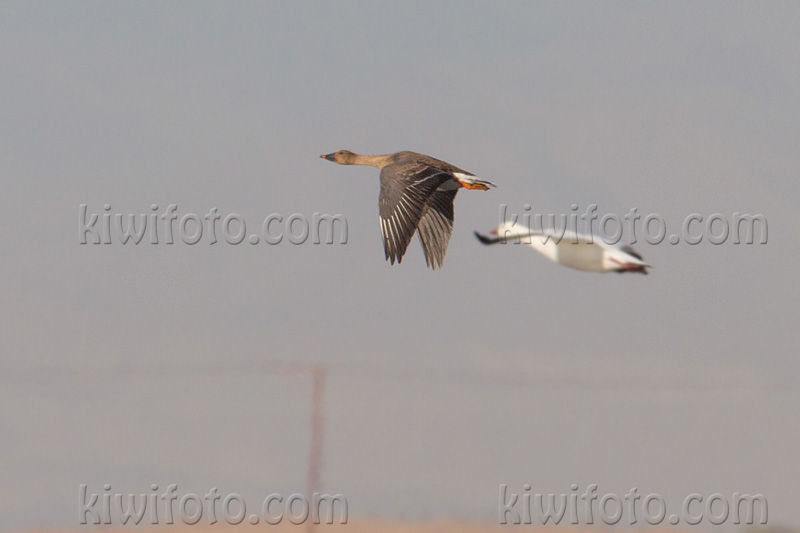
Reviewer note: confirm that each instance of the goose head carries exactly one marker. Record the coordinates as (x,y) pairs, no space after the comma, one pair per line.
(343,157)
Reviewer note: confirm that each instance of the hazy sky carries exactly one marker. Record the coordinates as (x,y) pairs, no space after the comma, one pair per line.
(134,365)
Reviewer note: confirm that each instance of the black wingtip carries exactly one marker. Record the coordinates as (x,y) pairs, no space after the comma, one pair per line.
(485,239)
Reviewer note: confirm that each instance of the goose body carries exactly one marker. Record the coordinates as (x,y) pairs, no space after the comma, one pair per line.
(416,195)
(573,250)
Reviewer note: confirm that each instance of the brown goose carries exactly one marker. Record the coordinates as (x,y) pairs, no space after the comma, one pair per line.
(417,193)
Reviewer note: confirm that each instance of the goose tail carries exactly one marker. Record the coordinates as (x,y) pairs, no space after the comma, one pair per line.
(472,182)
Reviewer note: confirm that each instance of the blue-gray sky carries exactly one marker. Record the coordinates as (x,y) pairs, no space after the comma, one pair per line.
(134,365)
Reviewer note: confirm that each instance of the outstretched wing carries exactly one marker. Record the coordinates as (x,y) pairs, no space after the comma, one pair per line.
(405,189)
(436,226)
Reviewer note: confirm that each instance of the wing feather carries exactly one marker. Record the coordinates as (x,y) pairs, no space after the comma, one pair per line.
(436,226)
(405,191)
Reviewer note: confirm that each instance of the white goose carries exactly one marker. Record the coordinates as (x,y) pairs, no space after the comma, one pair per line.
(570,249)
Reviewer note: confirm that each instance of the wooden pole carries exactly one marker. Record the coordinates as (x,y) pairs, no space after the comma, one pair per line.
(315,452)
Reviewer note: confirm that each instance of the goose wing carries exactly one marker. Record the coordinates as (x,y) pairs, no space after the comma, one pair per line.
(436,226)
(405,191)
(630,251)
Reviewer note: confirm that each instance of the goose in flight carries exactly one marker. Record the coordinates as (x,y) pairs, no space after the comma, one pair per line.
(417,193)
(570,249)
